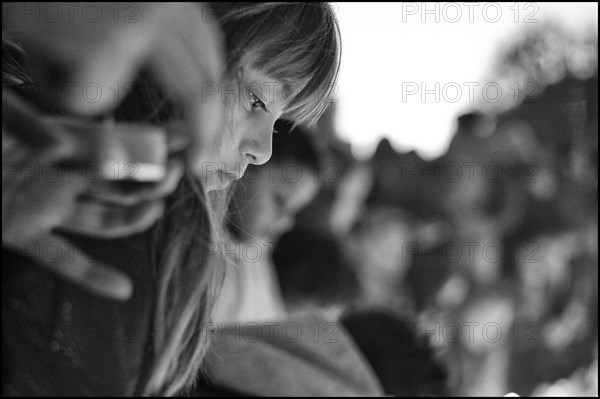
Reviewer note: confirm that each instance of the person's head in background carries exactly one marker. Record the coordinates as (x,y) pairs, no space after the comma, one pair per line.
(312,271)
(380,248)
(403,360)
(267,199)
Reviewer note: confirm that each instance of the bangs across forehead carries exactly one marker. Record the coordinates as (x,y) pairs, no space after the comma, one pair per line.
(297,44)
(304,54)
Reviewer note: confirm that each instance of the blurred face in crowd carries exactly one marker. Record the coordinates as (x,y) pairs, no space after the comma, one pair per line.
(253,103)
(382,251)
(273,195)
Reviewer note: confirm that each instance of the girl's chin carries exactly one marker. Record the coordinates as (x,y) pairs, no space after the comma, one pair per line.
(217,182)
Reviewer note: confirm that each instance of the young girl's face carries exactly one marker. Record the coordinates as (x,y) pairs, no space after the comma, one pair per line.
(252,104)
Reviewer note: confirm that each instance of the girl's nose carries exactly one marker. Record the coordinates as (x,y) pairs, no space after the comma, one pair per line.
(259,150)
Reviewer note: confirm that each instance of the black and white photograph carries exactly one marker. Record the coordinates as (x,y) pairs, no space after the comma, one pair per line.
(300,199)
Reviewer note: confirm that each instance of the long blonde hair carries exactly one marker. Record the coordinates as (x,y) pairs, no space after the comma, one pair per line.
(293,42)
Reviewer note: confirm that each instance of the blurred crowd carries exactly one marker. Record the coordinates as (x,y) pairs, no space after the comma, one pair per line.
(491,250)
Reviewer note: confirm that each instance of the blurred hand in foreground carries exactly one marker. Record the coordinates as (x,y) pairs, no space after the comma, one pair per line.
(91,52)
(102,179)
(39,193)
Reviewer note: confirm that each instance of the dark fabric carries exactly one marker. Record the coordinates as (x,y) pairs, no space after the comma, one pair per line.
(60,340)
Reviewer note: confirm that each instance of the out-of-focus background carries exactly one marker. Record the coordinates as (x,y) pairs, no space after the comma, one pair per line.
(459,187)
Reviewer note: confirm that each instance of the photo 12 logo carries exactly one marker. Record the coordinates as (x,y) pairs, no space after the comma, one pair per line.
(469,12)
(75,12)
(468,92)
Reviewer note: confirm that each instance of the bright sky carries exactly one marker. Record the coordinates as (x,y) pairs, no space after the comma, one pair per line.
(390,57)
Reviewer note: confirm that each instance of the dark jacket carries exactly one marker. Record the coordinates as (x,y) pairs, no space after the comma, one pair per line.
(58,339)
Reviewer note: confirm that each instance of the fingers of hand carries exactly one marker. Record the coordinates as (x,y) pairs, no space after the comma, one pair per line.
(63,258)
(89,54)
(133,193)
(119,151)
(44,140)
(36,197)
(190,63)
(180,42)
(98,219)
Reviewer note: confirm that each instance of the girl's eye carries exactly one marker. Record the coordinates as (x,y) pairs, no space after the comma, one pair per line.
(255,102)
